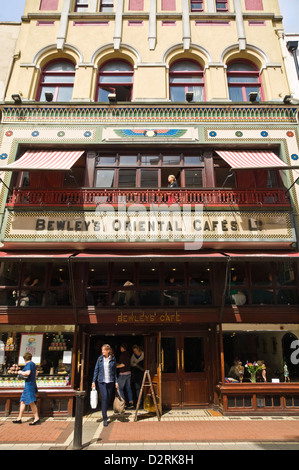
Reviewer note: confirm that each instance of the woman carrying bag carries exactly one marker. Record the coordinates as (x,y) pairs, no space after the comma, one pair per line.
(105,374)
(28,397)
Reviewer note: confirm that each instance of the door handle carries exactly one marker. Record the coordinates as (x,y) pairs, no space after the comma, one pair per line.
(162,359)
(178,358)
(183,363)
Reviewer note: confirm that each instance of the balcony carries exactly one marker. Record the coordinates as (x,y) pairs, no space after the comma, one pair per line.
(92,197)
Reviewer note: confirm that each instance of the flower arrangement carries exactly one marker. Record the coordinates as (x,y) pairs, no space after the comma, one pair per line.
(252,367)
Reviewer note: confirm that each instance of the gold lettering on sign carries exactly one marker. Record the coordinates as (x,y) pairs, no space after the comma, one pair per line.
(149,317)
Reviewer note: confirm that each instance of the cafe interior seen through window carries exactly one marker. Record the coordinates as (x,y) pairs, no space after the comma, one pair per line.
(105,284)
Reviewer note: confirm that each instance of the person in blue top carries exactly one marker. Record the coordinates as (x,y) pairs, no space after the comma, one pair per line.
(29,394)
(105,375)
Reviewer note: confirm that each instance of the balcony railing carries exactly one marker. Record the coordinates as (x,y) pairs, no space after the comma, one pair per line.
(94,196)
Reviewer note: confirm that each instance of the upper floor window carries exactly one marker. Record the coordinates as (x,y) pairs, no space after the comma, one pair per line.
(243,78)
(81,5)
(115,77)
(186,76)
(196,5)
(254,4)
(48,5)
(106,5)
(222,6)
(57,81)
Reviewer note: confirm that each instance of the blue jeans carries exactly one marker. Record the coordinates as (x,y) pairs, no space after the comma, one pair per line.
(106,394)
(124,383)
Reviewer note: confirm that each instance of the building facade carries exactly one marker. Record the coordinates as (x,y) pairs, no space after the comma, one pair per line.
(149,196)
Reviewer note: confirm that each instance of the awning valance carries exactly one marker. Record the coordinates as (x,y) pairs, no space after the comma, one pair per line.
(145,256)
(258,256)
(34,256)
(253,159)
(45,160)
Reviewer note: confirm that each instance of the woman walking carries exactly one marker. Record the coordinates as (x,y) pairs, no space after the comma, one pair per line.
(105,374)
(29,394)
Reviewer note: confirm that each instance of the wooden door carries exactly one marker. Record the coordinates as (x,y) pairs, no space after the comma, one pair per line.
(152,350)
(185,370)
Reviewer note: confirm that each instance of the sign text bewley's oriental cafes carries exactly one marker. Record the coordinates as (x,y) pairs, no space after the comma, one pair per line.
(138,224)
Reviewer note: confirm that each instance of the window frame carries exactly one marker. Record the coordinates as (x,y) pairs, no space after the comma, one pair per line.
(57,85)
(140,167)
(243,84)
(116,73)
(196,2)
(186,84)
(222,8)
(81,6)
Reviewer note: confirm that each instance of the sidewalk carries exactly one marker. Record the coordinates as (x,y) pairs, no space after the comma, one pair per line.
(177,431)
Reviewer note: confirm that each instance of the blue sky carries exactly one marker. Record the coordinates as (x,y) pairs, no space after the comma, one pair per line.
(12,10)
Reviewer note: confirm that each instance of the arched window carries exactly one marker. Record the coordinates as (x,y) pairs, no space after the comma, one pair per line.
(57,81)
(115,77)
(186,76)
(243,78)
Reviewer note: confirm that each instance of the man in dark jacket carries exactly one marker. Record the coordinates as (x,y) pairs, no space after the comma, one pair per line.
(124,378)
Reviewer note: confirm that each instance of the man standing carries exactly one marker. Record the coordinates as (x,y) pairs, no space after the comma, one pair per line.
(124,379)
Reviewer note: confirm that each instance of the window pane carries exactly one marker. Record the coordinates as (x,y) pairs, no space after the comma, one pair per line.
(185,79)
(252,90)
(105,178)
(171,159)
(236,93)
(128,160)
(178,93)
(193,178)
(60,67)
(149,179)
(286,274)
(105,161)
(193,160)
(150,160)
(116,66)
(115,79)
(65,94)
(168,346)
(185,65)
(45,90)
(242,79)
(261,273)
(225,178)
(9,274)
(194,362)
(59,78)
(103,94)
(241,66)
(127,178)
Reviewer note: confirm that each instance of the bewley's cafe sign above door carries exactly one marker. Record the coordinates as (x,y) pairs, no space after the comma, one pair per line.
(148,226)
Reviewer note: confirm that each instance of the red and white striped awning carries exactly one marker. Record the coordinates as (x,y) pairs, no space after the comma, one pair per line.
(45,160)
(250,159)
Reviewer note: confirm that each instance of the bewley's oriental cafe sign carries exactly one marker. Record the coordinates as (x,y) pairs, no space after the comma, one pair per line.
(142,226)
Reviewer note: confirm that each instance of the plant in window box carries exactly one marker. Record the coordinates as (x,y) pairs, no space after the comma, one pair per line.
(252,368)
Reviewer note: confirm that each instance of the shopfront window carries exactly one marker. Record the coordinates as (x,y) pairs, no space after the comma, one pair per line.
(263,283)
(52,353)
(31,284)
(273,348)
